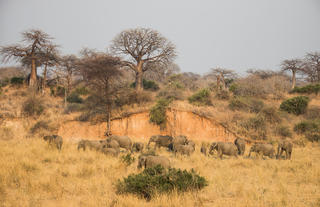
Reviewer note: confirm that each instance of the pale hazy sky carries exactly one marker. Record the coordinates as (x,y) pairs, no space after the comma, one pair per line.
(234,34)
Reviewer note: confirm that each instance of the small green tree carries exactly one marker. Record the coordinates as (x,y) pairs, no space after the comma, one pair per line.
(158,112)
(202,97)
(296,105)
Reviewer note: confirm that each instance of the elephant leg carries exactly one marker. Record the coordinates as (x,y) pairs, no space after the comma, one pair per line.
(220,154)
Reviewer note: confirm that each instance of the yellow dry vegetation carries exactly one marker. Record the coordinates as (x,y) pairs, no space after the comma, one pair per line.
(34,174)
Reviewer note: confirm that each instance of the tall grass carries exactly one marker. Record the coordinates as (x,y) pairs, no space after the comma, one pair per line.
(34,174)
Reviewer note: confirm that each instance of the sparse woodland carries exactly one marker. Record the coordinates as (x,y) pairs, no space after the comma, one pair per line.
(139,74)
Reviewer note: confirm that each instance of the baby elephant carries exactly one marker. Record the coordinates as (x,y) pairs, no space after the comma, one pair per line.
(204,147)
(148,161)
(54,140)
(137,147)
(224,148)
(184,149)
(241,145)
(263,149)
(286,146)
(110,151)
(91,144)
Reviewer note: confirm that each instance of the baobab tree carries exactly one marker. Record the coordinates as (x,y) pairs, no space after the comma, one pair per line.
(48,57)
(293,65)
(143,47)
(222,74)
(34,43)
(102,73)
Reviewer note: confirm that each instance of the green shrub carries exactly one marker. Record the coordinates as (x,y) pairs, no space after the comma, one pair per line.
(73,107)
(283,131)
(158,112)
(57,91)
(16,81)
(171,93)
(33,106)
(313,137)
(307,126)
(201,98)
(246,104)
(81,91)
(74,98)
(308,89)
(158,180)
(147,85)
(296,105)
(130,97)
(128,159)
(4,82)
(223,95)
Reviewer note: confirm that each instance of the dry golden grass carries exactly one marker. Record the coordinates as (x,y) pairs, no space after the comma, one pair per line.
(33,174)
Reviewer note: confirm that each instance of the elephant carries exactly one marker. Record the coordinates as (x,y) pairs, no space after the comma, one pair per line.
(137,147)
(124,141)
(224,148)
(184,149)
(262,149)
(111,143)
(180,140)
(160,141)
(191,143)
(148,161)
(91,144)
(284,145)
(110,151)
(241,145)
(54,140)
(204,147)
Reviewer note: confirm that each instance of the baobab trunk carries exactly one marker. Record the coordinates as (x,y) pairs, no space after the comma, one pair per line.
(293,79)
(139,76)
(33,74)
(44,79)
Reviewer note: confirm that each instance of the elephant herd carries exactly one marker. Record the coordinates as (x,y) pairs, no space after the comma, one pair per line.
(177,145)
(238,148)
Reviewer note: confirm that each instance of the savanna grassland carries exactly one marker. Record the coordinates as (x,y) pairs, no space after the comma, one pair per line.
(35,174)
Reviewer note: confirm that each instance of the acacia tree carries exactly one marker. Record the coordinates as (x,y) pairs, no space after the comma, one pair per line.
(312,66)
(101,73)
(34,43)
(222,74)
(142,47)
(293,65)
(68,65)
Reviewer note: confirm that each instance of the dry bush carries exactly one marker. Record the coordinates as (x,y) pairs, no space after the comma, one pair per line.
(270,114)
(255,86)
(6,133)
(283,131)
(313,112)
(131,97)
(43,127)
(33,106)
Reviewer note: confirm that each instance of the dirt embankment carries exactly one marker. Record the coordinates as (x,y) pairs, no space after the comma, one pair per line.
(138,126)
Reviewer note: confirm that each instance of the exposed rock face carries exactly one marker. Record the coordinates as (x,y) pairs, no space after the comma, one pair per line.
(138,126)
